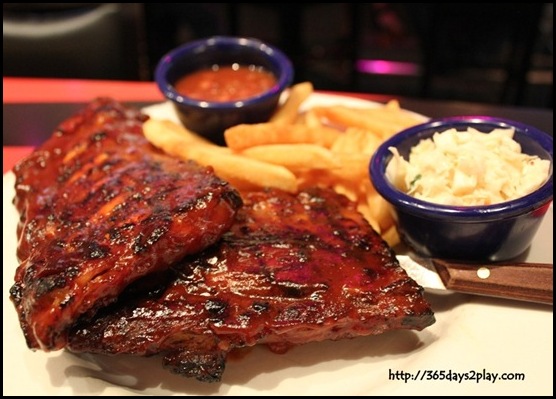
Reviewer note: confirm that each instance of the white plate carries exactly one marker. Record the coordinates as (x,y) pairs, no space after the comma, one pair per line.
(165,110)
(473,337)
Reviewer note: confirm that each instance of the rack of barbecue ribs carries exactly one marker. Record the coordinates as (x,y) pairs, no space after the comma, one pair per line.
(99,208)
(292,269)
(125,250)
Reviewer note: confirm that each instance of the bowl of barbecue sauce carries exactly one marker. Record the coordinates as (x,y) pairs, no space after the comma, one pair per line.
(222,81)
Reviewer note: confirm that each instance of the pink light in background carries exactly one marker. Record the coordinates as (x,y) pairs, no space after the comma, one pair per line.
(384,67)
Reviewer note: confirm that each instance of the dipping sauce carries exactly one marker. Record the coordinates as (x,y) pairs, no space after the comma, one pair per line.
(226,83)
(468,168)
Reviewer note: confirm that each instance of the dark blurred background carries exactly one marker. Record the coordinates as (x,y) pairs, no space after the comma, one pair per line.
(486,52)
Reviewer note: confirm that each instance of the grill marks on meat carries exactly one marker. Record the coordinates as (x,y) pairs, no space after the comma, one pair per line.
(99,208)
(291,270)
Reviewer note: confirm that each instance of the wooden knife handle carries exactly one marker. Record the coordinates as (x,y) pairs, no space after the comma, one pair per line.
(524,281)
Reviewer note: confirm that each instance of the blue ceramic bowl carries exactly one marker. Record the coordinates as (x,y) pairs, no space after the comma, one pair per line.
(210,119)
(477,233)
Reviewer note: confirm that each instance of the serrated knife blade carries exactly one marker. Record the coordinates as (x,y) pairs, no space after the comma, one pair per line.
(531,282)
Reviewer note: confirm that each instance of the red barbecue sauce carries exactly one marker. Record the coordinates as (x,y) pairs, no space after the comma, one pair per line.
(225,83)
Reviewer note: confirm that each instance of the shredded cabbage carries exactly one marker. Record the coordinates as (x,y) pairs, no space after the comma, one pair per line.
(467,168)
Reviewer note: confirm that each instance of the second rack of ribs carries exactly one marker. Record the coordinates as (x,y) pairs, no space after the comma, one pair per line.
(292,269)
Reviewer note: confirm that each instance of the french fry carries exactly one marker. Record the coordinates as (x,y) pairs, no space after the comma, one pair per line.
(392,121)
(382,121)
(289,111)
(239,170)
(391,236)
(352,168)
(153,127)
(243,136)
(293,156)
(245,172)
(340,115)
(393,105)
(356,141)
(380,210)
(346,190)
(365,211)
(311,119)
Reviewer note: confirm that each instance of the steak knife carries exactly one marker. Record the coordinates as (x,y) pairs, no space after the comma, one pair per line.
(531,282)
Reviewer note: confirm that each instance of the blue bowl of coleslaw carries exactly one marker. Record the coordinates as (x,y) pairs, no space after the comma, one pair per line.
(430,174)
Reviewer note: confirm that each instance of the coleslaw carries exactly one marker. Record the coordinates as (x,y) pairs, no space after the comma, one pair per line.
(467,168)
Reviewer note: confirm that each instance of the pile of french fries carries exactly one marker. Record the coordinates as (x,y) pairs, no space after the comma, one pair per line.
(323,146)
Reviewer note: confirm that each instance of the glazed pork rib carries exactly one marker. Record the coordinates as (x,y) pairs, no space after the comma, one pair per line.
(99,208)
(291,270)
